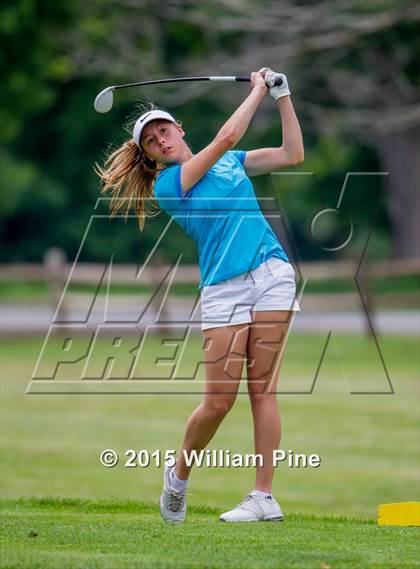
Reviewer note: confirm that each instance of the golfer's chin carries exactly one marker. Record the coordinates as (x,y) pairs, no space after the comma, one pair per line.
(169,159)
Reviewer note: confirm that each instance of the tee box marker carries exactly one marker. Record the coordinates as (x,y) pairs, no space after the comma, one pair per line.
(399,514)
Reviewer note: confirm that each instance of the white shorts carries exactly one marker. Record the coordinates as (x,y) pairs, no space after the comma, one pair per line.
(271,286)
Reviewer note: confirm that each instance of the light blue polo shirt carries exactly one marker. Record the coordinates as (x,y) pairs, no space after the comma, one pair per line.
(223,216)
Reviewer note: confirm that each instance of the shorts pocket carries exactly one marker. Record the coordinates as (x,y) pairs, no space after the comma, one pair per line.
(208,290)
(279,266)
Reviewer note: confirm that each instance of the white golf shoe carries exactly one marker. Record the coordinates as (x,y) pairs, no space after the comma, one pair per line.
(254,509)
(172,503)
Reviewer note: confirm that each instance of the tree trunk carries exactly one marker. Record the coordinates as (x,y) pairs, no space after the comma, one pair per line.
(399,153)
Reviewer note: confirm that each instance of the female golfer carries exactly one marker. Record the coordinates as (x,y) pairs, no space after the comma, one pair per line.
(247,287)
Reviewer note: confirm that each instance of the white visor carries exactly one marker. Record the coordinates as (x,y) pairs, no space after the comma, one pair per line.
(146,118)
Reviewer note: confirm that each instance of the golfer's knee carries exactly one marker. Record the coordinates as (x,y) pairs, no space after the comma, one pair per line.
(258,398)
(219,407)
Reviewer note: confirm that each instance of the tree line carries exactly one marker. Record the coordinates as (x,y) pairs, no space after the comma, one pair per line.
(354,77)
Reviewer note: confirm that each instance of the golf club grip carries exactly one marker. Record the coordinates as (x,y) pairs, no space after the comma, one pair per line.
(247,78)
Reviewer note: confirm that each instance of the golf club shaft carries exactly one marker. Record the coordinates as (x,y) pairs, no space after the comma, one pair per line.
(104,100)
(241,78)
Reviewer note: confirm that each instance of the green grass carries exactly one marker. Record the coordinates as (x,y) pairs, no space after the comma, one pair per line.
(15,290)
(50,446)
(85,534)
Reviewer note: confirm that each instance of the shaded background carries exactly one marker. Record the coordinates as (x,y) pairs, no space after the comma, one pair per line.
(353,71)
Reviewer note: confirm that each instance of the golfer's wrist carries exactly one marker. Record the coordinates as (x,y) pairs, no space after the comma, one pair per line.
(283,99)
(261,90)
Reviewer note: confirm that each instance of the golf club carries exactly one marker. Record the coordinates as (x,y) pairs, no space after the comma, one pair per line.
(104,100)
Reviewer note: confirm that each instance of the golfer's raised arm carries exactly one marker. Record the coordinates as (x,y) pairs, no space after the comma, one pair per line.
(228,136)
(291,152)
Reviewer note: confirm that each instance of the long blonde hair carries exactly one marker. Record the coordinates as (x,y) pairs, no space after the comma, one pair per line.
(130,176)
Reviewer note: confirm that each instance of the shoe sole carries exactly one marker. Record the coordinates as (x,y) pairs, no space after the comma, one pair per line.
(279,519)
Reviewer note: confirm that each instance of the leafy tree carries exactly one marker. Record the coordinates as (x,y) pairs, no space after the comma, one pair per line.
(352,68)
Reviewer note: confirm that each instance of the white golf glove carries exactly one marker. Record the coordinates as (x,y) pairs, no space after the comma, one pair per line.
(276,91)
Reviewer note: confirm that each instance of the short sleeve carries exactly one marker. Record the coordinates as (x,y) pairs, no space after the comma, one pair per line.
(167,189)
(240,155)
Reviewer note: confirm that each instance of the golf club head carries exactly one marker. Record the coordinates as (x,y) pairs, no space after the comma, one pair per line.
(104,100)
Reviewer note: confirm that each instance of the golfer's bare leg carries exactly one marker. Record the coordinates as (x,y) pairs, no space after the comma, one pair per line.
(266,342)
(224,356)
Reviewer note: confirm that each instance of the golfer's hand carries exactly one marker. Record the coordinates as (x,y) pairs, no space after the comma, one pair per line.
(257,81)
(276,91)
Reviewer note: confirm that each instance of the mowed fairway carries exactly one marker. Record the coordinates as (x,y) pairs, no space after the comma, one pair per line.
(79,534)
(367,444)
